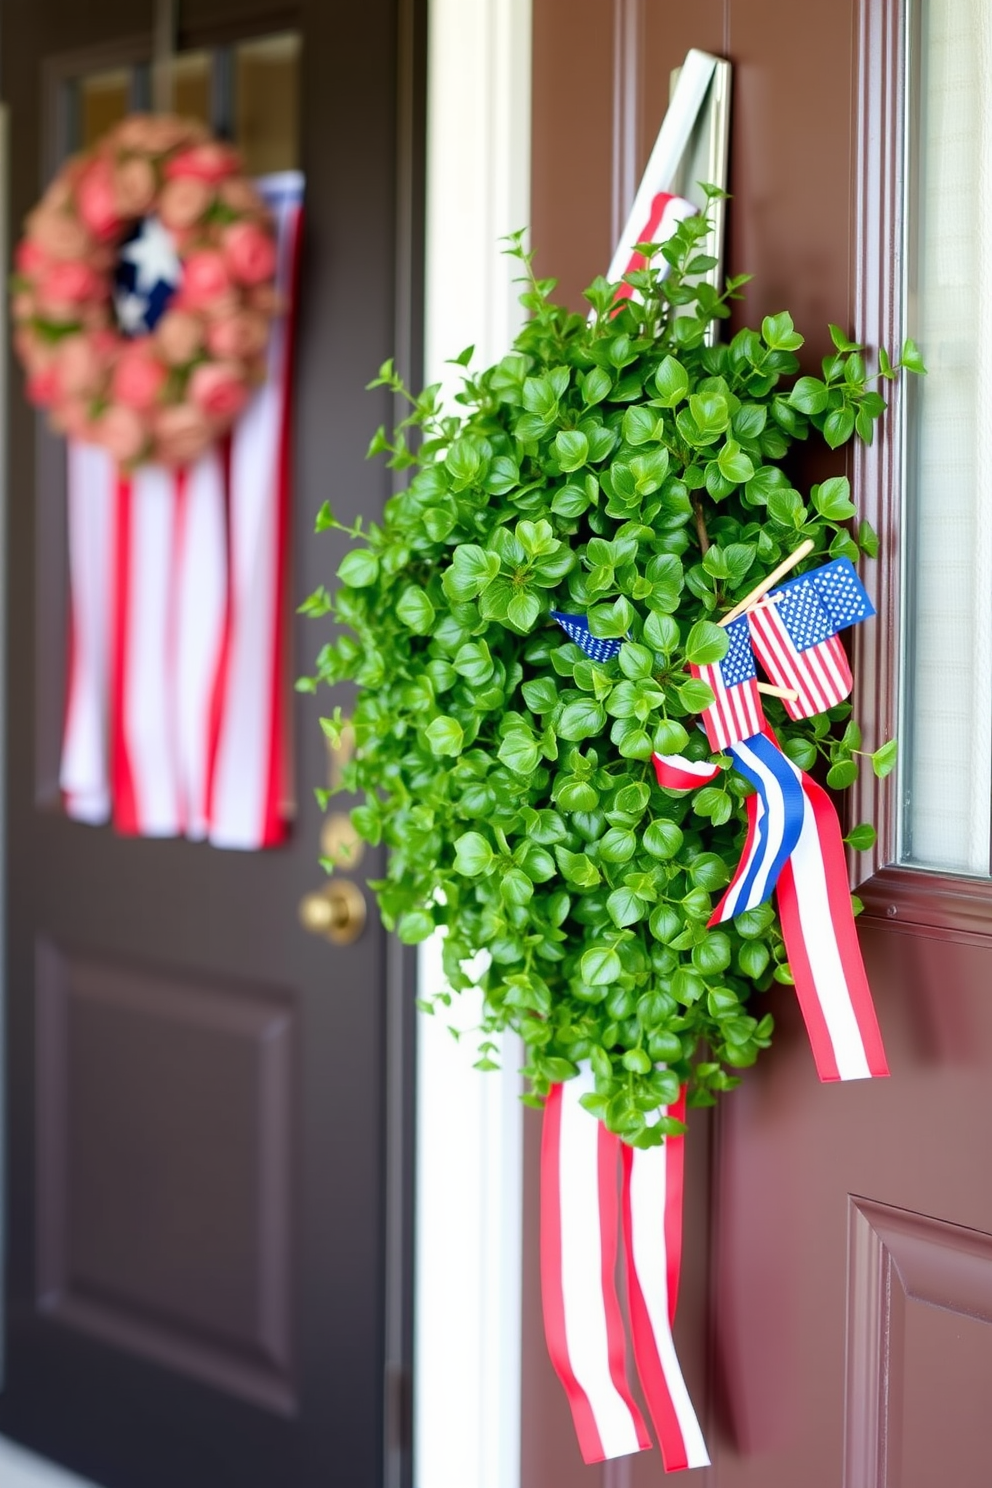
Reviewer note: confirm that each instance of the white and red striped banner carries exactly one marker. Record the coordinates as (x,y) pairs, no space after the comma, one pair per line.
(178,683)
(580,1228)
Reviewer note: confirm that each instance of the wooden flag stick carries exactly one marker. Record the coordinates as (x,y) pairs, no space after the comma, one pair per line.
(801,552)
(769,688)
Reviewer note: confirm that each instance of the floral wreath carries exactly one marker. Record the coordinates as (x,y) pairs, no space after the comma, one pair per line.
(150,370)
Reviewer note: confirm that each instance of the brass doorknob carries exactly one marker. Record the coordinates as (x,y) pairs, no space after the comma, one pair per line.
(336,911)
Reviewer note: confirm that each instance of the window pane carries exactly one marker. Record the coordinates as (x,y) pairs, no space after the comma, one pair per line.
(947,727)
(104,99)
(266,91)
(191,86)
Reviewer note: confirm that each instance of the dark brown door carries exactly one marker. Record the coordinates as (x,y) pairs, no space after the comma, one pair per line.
(207,1183)
(834,1317)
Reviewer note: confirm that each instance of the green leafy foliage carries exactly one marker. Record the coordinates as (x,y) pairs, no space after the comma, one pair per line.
(623,468)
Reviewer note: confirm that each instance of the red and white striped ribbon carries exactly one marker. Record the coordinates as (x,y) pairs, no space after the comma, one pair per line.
(652,1222)
(248,797)
(144,774)
(584,1326)
(91,514)
(665,213)
(821,942)
(178,697)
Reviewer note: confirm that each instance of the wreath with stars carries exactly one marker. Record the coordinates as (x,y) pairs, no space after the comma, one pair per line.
(144,291)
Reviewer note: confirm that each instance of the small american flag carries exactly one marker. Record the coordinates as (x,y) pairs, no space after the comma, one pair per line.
(736,710)
(795,635)
(578,631)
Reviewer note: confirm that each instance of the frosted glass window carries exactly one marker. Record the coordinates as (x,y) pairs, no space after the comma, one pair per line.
(946,771)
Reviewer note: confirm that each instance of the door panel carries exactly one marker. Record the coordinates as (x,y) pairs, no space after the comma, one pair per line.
(201,1147)
(849,1226)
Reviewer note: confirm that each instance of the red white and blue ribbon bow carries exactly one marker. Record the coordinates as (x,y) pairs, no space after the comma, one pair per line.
(775,815)
(794,846)
(582,1217)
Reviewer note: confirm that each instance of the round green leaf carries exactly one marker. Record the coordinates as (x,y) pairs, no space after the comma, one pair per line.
(662,839)
(473,855)
(523,609)
(415,610)
(842,774)
(600,966)
(358,569)
(671,382)
(416,925)
(519,752)
(706,643)
(445,735)
(572,449)
(581,720)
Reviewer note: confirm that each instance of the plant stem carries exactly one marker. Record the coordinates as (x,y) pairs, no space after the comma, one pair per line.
(698,514)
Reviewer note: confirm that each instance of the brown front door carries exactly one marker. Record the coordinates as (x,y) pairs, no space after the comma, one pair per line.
(834,1323)
(207,1183)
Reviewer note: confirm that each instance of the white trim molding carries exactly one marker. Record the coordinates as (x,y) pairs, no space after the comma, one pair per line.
(469,1125)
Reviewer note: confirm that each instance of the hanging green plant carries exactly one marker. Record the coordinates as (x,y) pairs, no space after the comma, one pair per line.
(620,468)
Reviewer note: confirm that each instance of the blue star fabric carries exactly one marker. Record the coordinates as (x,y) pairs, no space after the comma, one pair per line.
(578,631)
(738,664)
(147,274)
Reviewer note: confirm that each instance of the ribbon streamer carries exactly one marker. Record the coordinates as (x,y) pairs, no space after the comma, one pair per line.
(794,847)
(580,1225)
(775,820)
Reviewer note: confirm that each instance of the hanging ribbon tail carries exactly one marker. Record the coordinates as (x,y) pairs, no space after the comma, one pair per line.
(775,819)
(821,942)
(91,495)
(652,1214)
(675,772)
(579,1236)
(248,793)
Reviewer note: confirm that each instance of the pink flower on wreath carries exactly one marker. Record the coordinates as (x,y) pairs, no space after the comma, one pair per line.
(267,299)
(155,134)
(73,417)
(180,335)
(70,282)
(33,352)
(134,186)
(209,162)
(182,433)
(30,259)
(122,431)
(44,385)
(183,202)
(56,234)
(241,196)
(219,389)
(82,368)
(243,335)
(250,253)
(139,378)
(97,201)
(205,278)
